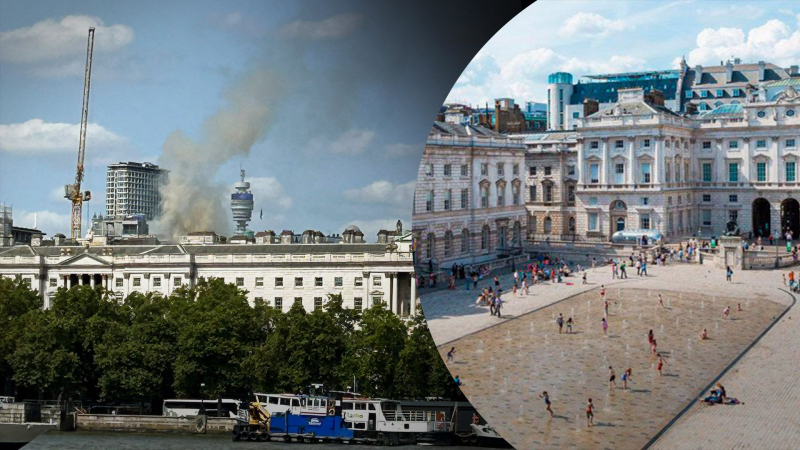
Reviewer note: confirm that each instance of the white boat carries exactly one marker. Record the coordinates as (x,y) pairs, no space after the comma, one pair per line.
(486,436)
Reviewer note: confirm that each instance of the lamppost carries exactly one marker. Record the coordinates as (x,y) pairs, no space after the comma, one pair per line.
(202,398)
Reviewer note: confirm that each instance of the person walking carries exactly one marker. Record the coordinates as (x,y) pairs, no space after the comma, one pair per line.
(604,325)
(643,273)
(728,273)
(704,334)
(626,375)
(546,398)
(584,278)
(492,303)
(498,303)
(660,300)
(590,413)
(660,364)
(450,354)
(569,325)
(612,378)
(622,272)
(560,322)
(605,307)
(726,312)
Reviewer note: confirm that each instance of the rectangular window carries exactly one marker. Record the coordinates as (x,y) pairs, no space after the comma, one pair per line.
(464,198)
(358,304)
(594,145)
(500,169)
(761,171)
(570,170)
(53,282)
(592,201)
(464,170)
(704,94)
(376,300)
(761,143)
(337,282)
(533,171)
(317,303)
(619,144)
(376,280)
(533,193)
(733,144)
(259,300)
(594,171)
(137,282)
(484,197)
(279,303)
(593,222)
(790,171)
(484,169)
(447,170)
(278,281)
(689,94)
(515,195)
(575,115)
(706,145)
(157,282)
(646,173)
(644,221)
(707,172)
(720,92)
(178,281)
(646,143)
(736,92)
(359,282)
(515,169)
(298,301)
(707,198)
(571,193)
(118,282)
(298,282)
(447,199)
(733,198)
(239,281)
(548,170)
(645,201)
(259,281)
(318,281)
(669,200)
(790,142)
(680,199)
(706,217)
(619,173)
(429,170)
(501,196)
(733,172)
(548,193)
(429,202)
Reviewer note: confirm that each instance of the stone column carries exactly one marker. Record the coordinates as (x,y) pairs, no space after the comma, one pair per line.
(604,167)
(91,280)
(365,283)
(775,163)
(413,295)
(655,171)
(66,281)
(126,283)
(581,165)
(720,170)
(396,307)
(746,172)
(629,176)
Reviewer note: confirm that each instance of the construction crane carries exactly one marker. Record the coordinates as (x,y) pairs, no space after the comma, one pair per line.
(73,192)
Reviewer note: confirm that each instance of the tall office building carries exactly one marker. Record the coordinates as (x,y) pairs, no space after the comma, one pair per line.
(134,188)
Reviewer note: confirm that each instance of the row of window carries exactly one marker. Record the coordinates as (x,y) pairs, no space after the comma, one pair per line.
(278,303)
(718,93)
(548,170)
(645,173)
(464,200)
(619,143)
(547,190)
(430,241)
(448,169)
(790,172)
(259,281)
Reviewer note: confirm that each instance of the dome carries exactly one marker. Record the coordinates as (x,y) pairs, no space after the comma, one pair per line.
(352,228)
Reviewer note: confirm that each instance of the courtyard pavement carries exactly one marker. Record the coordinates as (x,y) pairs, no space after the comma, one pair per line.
(502,379)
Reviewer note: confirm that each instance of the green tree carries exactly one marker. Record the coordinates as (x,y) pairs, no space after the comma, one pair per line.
(376,351)
(217,329)
(136,353)
(55,348)
(16,299)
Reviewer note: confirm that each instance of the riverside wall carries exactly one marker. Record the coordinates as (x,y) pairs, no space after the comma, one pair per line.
(184,425)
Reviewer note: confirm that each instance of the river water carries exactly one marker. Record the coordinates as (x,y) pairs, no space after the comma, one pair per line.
(81,440)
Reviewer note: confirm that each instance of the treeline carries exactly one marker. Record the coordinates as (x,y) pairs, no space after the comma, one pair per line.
(146,348)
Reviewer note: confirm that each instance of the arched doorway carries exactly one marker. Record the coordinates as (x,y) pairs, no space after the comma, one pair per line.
(790,217)
(761,213)
(619,215)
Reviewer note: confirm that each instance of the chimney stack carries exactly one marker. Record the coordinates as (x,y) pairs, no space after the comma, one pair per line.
(728,72)
(793,71)
(698,74)
(654,97)
(761,69)
(590,106)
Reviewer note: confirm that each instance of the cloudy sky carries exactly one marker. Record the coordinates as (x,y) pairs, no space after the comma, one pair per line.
(594,37)
(325,104)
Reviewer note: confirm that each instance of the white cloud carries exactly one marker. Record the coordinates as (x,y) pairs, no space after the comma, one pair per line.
(57,194)
(585,24)
(37,136)
(269,194)
(482,67)
(47,221)
(402,150)
(331,28)
(55,40)
(352,142)
(384,192)
(775,41)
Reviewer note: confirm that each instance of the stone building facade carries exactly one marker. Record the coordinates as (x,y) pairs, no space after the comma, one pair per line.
(469,203)
(278,273)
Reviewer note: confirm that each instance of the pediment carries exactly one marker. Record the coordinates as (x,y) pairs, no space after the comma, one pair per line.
(84,259)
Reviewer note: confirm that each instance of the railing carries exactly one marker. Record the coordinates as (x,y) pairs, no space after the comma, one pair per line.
(414,416)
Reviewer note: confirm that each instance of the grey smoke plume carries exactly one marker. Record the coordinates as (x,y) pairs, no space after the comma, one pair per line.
(192,201)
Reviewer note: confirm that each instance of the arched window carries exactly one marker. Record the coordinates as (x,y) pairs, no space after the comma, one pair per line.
(448,243)
(517,237)
(485,236)
(429,245)
(548,225)
(465,241)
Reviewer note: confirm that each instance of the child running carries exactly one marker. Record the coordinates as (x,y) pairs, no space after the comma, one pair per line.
(726,312)
(590,413)
(604,324)
(660,301)
(450,355)
(660,364)
(546,398)
(612,378)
